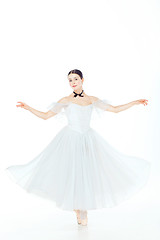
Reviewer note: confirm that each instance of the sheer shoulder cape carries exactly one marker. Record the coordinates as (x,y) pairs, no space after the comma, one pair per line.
(100,106)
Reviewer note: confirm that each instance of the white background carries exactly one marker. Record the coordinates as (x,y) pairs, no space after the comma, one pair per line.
(116,46)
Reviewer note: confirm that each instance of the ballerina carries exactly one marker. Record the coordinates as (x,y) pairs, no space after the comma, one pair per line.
(79,169)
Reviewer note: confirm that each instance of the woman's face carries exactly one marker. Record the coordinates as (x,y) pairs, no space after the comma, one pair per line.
(75,81)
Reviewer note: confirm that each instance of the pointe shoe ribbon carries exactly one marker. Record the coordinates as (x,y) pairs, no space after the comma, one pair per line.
(83,216)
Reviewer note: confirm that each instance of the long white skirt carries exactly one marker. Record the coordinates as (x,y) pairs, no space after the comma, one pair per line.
(82,171)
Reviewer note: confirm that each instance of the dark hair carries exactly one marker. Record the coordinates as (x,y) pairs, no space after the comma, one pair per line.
(77,72)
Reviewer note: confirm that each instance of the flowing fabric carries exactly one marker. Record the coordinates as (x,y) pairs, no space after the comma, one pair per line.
(79,169)
(98,109)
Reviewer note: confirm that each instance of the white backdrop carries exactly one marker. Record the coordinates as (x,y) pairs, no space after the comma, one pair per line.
(116,46)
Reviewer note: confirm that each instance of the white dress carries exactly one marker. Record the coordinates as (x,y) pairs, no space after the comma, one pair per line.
(79,169)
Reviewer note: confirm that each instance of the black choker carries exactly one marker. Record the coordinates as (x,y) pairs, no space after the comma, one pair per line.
(75,94)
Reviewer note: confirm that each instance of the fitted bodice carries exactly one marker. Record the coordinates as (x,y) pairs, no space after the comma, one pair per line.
(79,117)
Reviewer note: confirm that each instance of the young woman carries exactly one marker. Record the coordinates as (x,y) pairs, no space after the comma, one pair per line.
(79,169)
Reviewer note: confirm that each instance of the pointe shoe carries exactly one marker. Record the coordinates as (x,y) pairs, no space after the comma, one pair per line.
(78,216)
(84,218)
(84,222)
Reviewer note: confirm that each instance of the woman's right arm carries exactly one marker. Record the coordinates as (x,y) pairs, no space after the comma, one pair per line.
(43,115)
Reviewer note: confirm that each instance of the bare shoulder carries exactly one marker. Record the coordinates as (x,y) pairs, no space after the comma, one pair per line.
(109,107)
(93,99)
(63,100)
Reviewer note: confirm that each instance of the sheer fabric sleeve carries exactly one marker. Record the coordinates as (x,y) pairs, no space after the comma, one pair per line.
(59,109)
(56,107)
(100,107)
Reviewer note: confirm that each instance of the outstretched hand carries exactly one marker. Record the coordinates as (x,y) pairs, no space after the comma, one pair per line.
(23,105)
(141,101)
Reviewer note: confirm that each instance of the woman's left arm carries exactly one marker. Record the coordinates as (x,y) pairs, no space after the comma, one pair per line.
(123,107)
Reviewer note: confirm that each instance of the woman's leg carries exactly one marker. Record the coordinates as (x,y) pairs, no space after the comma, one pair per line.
(78,215)
(83,216)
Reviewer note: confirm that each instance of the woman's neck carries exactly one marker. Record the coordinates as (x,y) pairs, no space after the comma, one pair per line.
(78,90)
